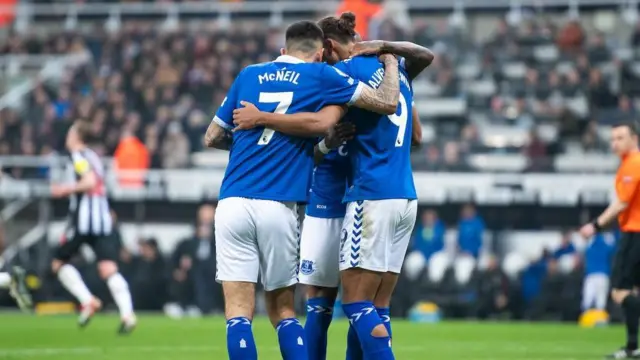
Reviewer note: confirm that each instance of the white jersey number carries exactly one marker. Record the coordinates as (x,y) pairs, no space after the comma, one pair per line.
(284,100)
(400,121)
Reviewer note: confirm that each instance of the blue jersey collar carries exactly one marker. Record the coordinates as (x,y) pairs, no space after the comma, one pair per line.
(288,59)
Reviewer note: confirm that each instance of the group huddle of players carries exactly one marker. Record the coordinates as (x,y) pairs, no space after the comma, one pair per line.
(329,124)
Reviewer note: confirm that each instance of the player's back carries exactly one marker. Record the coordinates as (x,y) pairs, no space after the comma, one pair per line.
(270,165)
(380,152)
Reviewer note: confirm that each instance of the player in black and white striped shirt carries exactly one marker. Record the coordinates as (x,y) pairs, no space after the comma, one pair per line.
(90,223)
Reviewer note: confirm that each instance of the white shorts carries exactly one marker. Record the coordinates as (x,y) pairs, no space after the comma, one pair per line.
(320,251)
(257,237)
(378,234)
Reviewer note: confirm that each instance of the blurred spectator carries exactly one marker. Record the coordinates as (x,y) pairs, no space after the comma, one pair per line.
(600,94)
(566,255)
(175,148)
(193,270)
(598,258)
(149,282)
(598,51)
(470,232)
(536,152)
(532,276)
(470,237)
(591,141)
(429,235)
(571,37)
(452,160)
(428,239)
(493,290)
(131,160)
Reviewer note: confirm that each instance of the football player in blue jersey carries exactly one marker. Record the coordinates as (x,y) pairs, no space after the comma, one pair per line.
(269,175)
(380,217)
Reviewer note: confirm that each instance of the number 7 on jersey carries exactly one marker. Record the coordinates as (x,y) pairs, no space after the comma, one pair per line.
(283,99)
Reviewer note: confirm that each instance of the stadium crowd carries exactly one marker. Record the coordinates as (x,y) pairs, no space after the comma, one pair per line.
(162,88)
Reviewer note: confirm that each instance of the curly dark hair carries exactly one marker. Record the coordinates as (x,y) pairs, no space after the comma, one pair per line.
(341,29)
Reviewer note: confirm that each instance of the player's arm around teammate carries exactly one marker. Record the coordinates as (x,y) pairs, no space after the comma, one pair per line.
(416,57)
(384,100)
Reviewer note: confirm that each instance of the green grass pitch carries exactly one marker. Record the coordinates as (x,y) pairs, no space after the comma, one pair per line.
(160,338)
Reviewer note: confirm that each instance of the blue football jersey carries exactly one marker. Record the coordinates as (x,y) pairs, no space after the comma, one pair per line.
(329,184)
(380,153)
(268,165)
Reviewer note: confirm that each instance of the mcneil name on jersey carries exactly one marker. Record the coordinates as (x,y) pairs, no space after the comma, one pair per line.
(280,75)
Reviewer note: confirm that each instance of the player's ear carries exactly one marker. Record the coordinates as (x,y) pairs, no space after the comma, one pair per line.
(283,51)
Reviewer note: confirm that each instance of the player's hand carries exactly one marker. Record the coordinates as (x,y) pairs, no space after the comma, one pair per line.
(246,117)
(374,47)
(60,191)
(587,230)
(339,134)
(388,59)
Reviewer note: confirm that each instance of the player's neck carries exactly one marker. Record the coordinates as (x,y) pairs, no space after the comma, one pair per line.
(302,56)
(630,152)
(78,147)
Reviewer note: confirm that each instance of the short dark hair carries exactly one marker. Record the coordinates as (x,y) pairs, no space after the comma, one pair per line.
(303,36)
(342,29)
(631,125)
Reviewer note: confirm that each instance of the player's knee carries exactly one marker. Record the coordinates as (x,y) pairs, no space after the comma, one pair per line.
(379,331)
(56,265)
(321,292)
(107,268)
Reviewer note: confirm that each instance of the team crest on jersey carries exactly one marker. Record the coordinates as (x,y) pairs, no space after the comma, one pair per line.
(306,267)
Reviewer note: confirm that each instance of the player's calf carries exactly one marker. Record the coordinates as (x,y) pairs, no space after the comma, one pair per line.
(372,333)
(382,300)
(239,308)
(291,336)
(119,289)
(320,303)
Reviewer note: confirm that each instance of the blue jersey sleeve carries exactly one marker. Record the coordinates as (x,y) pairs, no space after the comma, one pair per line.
(339,87)
(224,115)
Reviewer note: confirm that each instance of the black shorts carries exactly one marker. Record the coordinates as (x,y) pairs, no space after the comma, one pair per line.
(626,265)
(104,247)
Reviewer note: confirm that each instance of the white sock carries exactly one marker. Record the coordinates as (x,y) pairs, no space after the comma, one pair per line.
(5,280)
(72,281)
(121,295)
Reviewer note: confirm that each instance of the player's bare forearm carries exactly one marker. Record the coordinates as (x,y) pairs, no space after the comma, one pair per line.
(303,124)
(217,137)
(417,58)
(416,133)
(87,182)
(383,100)
(611,212)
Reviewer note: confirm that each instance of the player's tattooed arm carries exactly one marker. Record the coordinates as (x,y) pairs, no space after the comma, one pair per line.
(417,58)
(384,99)
(217,137)
(300,124)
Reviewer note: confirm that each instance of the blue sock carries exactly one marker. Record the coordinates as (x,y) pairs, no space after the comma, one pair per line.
(385,316)
(364,318)
(319,316)
(240,342)
(291,339)
(354,349)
